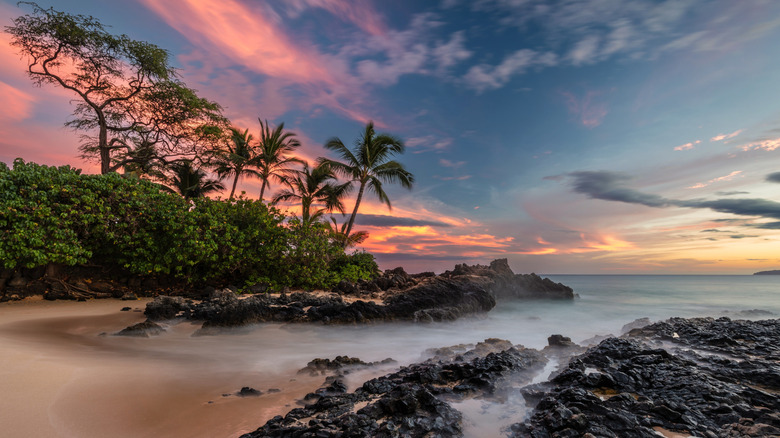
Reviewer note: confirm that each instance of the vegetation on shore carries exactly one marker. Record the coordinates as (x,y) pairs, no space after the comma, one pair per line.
(56,215)
(175,148)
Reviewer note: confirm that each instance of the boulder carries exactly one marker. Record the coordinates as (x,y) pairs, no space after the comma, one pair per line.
(142,330)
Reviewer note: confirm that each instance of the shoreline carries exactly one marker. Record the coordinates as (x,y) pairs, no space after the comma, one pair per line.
(155,386)
(61,378)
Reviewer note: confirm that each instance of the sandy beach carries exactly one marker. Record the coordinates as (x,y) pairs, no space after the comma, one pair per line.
(60,378)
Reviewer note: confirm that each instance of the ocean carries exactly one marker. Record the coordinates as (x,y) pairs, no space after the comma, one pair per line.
(58,368)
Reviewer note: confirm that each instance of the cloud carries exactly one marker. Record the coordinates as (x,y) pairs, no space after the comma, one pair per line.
(610,186)
(450,53)
(773,177)
(768,225)
(454,165)
(453,178)
(732,193)
(585,51)
(721,137)
(607,186)
(428,143)
(361,14)
(484,77)
(589,110)
(766,145)
(17,105)
(728,177)
(377,220)
(295,70)
(687,146)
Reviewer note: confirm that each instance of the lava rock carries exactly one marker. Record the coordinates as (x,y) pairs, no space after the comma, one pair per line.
(142,330)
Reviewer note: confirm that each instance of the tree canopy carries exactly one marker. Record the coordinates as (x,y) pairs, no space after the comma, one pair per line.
(369,165)
(129,97)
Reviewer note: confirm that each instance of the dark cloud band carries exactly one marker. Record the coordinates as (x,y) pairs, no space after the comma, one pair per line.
(610,186)
(377,220)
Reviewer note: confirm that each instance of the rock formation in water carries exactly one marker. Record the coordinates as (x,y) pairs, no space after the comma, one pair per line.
(412,402)
(394,296)
(714,378)
(683,377)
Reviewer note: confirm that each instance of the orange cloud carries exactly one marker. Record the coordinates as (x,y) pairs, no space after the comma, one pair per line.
(234,32)
(243,34)
(601,243)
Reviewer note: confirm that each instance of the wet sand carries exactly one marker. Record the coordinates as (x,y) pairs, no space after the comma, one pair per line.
(60,378)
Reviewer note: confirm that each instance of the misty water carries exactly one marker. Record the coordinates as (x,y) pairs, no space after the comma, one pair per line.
(60,378)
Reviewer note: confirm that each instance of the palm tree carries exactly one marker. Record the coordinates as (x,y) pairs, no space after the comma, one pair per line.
(238,159)
(271,159)
(369,165)
(343,239)
(312,188)
(191,182)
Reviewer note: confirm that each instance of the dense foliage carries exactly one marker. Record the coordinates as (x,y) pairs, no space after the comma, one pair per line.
(56,215)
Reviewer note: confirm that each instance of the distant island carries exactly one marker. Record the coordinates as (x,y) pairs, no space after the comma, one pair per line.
(775,272)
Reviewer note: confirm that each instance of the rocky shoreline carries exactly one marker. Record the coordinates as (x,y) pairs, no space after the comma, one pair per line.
(89,282)
(393,296)
(700,377)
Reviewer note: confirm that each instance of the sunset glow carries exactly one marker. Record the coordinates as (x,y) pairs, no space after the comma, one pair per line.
(623,141)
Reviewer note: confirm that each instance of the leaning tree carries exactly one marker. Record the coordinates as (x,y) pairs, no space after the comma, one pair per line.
(129,100)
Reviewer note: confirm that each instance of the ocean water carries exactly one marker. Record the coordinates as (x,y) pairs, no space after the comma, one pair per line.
(124,387)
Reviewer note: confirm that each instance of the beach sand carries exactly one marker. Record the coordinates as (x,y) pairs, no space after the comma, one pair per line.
(60,378)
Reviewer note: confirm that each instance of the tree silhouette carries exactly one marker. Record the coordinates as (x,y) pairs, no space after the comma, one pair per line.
(368,164)
(314,188)
(272,160)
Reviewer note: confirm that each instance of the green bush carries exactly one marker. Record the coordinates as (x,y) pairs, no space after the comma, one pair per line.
(355,267)
(56,215)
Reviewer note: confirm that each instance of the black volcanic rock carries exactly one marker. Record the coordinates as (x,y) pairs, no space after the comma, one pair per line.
(141,330)
(412,402)
(722,380)
(505,284)
(467,290)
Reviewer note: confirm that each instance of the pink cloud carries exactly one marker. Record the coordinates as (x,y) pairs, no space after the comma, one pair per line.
(361,14)
(233,32)
(721,137)
(687,146)
(766,145)
(588,109)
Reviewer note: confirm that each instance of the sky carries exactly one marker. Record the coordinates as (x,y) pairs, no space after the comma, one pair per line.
(580,137)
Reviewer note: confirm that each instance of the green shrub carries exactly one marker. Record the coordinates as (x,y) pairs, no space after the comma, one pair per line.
(56,215)
(355,267)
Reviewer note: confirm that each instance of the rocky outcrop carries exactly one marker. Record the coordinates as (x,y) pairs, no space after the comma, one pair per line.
(322,366)
(505,284)
(413,402)
(467,290)
(715,378)
(438,299)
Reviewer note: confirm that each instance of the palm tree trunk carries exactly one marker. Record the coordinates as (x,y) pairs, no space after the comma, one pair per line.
(354,212)
(262,189)
(235,182)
